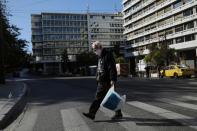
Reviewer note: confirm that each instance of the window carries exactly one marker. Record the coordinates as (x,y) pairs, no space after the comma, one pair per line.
(159,2)
(159,13)
(189,37)
(177,4)
(179,28)
(178,16)
(167,9)
(169,31)
(189,25)
(188,12)
(103,17)
(180,40)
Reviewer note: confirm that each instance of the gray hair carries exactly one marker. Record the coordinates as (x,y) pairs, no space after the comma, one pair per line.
(96,45)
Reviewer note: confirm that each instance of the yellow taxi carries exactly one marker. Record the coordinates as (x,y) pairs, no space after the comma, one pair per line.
(177,71)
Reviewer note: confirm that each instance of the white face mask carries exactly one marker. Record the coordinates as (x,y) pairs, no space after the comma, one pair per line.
(98,52)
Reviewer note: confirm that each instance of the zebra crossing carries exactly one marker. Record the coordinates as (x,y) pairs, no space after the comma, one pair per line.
(73,120)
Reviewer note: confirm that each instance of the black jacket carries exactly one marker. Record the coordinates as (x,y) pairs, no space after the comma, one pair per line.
(106,70)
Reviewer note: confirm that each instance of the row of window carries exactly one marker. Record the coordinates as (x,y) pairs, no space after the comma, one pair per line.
(101,17)
(169,31)
(158,13)
(152,17)
(64,30)
(71,50)
(64,23)
(116,25)
(64,17)
(64,37)
(104,30)
(106,36)
(160,24)
(169,42)
(177,4)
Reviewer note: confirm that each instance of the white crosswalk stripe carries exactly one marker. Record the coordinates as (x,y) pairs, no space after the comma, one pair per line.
(127,125)
(185,120)
(177,103)
(72,121)
(190,98)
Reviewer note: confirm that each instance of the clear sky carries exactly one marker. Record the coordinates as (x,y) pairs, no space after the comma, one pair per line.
(22,9)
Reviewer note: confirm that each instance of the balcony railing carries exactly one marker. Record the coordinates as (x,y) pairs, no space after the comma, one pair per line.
(181,8)
(165,26)
(137,9)
(150,11)
(170,36)
(130,4)
(184,45)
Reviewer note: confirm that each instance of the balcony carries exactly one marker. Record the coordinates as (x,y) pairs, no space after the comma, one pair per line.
(130,4)
(48,60)
(168,2)
(165,26)
(185,45)
(137,53)
(171,36)
(186,6)
(145,42)
(137,9)
(123,1)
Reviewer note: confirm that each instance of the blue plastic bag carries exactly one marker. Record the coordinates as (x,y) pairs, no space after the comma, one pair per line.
(113,100)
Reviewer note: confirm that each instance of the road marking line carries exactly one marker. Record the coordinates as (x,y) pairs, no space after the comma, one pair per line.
(28,122)
(126,124)
(185,120)
(177,103)
(190,98)
(72,121)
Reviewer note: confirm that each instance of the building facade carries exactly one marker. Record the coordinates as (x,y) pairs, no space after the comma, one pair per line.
(108,29)
(149,22)
(52,33)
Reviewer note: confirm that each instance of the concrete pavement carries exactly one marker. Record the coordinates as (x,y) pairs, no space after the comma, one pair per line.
(12,96)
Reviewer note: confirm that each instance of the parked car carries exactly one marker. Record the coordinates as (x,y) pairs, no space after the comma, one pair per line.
(177,71)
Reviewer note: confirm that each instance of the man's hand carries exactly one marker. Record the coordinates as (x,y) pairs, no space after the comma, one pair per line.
(112,83)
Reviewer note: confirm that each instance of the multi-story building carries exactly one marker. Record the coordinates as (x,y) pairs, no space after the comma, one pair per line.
(52,33)
(152,21)
(108,29)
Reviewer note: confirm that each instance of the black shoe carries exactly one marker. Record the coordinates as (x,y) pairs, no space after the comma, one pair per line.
(117,117)
(89,115)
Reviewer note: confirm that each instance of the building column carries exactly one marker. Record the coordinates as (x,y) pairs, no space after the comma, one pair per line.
(60,68)
(196,59)
(44,68)
(194,10)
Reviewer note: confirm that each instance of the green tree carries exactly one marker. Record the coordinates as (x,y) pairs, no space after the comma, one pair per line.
(160,55)
(12,49)
(87,59)
(120,60)
(65,60)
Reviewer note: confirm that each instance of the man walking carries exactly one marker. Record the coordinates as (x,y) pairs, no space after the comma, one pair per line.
(106,77)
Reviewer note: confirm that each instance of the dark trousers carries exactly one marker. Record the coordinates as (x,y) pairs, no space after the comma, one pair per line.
(102,89)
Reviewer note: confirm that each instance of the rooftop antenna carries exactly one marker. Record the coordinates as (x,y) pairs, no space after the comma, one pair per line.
(115,8)
(88,8)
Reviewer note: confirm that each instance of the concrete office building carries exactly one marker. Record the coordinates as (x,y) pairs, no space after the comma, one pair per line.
(52,33)
(107,28)
(153,21)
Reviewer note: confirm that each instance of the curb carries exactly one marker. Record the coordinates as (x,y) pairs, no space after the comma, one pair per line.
(12,108)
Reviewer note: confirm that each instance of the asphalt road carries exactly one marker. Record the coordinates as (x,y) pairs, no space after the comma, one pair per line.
(56,104)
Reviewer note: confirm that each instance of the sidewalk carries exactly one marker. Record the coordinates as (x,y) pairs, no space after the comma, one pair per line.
(12,96)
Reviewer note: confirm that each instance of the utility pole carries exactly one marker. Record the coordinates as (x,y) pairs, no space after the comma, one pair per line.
(2,68)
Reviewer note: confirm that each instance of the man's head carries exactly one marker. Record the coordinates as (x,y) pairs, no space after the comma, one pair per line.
(97,47)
